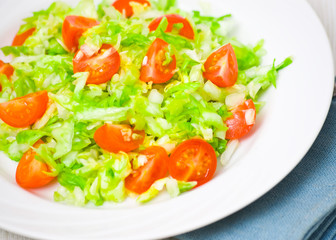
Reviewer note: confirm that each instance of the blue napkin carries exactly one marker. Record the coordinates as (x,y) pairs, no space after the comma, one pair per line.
(302,206)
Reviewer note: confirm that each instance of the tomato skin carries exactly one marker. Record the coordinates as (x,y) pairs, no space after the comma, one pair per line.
(152,69)
(30,172)
(237,122)
(19,39)
(73,28)
(101,66)
(124,5)
(221,67)
(193,160)
(186,31)
(116,138)
(23,111)
(155,168)
(7,69)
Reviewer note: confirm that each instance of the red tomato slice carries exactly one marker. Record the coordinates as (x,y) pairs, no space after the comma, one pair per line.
(31,173)
(101,66)
(242,120)
(23,111)
(6,69)
(186,31)
(155,168)
(116,138)
(73,28)
(152,66)
(221,67)
(19,39)
(124,6)
(193,160)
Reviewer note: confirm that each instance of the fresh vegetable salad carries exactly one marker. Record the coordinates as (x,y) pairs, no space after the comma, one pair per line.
(126,98)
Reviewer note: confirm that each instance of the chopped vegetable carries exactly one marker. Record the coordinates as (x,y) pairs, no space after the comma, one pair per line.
(24,111)
(32,173)
(153,167)
(127,97)
(175,22)
(193,160)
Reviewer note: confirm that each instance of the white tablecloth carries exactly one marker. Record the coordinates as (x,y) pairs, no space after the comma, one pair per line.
(325,9)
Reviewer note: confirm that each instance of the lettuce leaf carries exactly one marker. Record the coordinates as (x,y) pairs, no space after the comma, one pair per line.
(63,136)
(174,188)
(85,8)
(163,5)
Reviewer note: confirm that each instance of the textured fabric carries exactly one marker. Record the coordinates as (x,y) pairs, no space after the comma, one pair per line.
(320,229)
(302,206)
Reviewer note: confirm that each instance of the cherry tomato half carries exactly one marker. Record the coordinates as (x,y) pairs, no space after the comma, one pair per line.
(116,138)
(19,39)
(7,69)
(153,68)
(125,6)
(30,172)
(23,111)
(101,66)
(154,169)
(73,28)
(193,160)
(186,31)
(221,67)
(242,120)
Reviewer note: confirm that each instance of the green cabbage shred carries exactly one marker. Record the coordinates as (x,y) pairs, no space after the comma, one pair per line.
(85,172)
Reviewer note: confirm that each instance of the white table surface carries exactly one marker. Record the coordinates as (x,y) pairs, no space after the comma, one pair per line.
(325,9)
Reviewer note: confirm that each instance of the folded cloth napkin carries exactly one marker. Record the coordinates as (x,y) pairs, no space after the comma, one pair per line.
(302,206)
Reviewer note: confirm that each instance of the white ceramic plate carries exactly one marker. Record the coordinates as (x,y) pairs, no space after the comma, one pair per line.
(285,130)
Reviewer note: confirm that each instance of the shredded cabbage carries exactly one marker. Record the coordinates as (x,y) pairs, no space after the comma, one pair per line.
(185,107)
